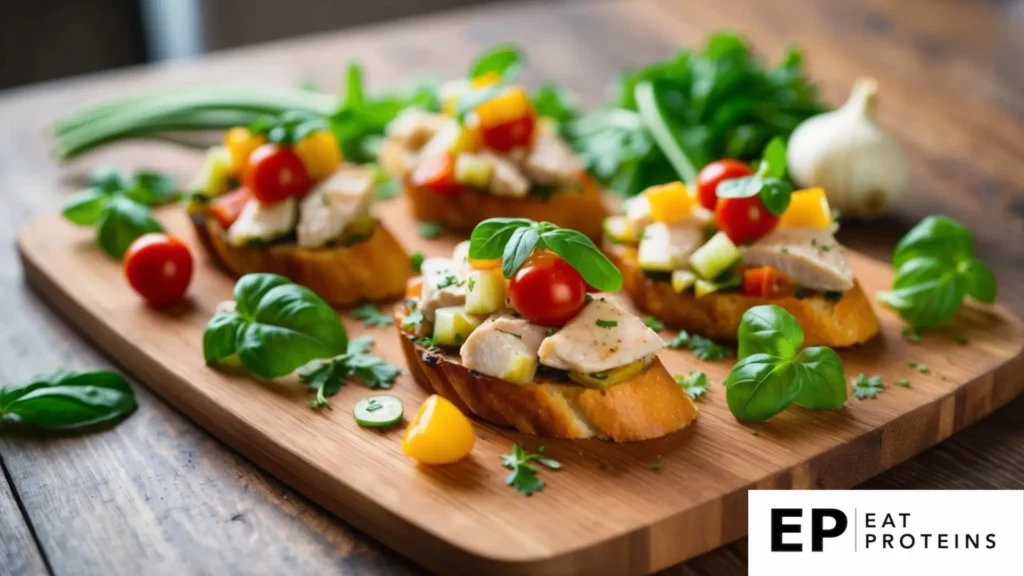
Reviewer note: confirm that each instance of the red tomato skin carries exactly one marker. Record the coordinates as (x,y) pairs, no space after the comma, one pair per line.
(744,219)
(436,174)
(509,135)
(715,173)
(766,282)
(158,267)
(227,208)
(547,291)
(275,173)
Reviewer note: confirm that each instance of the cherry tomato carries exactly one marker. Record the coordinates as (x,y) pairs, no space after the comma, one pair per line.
(713,174)
(275,173)
(546,290)
(436,174)
(744,219)
(227,208)
(159,267)
(766,282)
(509,135)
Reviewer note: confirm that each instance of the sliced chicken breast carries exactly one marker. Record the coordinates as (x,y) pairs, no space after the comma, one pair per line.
(504,347)
(506,179)
(809,256)
(414,127)
(603,336)
(671,244)
(334,204)
(550,161)
(443,286)
(260,222)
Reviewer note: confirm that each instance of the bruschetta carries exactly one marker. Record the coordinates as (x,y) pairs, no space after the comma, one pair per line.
(691,269)
(536,351)
(294,208)
(494,157)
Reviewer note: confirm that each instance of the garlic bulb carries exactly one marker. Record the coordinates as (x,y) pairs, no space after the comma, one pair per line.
(846,152)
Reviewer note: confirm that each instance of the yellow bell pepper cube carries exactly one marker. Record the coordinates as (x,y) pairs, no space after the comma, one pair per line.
(241,144)
(670,202)
(807,209)
(486,80)
(509,106)
(320,154)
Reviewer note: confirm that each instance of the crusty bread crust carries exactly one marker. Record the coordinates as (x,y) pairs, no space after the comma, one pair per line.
(646,406)
(376,268)
(847,322)
(583,210)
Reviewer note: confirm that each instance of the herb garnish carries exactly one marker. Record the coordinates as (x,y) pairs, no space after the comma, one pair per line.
(416,261)
(654,324)
(703,348)
(606,323)
(922,368)
(695,384)
(656,465)
(767,183)
(327,377)
(470,284)
(524,474)
(911,334)
(371,316)
(865,387)
(429,230)
(66,401)
(902,382)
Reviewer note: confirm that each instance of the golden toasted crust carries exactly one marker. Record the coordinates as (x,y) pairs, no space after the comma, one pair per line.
(646,406)
(849,321)
(376,268)
(581,210)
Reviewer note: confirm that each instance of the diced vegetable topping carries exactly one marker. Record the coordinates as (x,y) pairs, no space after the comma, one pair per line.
(241,143)
(505,121)
(766,282)
(807,209)
(320,154)
(682,280)
(453,325)
(485,291)
(473,170)
(670,202)
(716,256)
(437,174)
(620,230)
(227,208)
(215,175)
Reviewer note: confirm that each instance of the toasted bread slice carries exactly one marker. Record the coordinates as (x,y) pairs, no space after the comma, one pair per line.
(376,268)
(847,322)
(581,209)
(646,406)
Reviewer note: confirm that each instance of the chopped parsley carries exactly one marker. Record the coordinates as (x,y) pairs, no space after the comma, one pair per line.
(702,347)
(865,387)
(371,316)
(429,230)
(695,384)
(922,368)
(783,250)
(606,323)
(902,382)
(552,331)
(654,324)
(471,284)
(825,247)
(416,261)
(326,377)
(412,321)
(588,298)
(524,474)
(429,343)
(447,281)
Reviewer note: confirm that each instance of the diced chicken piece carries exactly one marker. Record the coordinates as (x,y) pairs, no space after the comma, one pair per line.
(414,127)
(260,222)
(504,347)
(550,161)
(809,256)
(334,204)
(638,211)
(604,335)
(443,286)
(668,247)
(506,179)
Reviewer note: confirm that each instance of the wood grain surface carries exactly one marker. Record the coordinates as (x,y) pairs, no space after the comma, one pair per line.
(462,518)
(952,92)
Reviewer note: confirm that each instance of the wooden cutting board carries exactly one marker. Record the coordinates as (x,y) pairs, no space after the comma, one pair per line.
(608,511)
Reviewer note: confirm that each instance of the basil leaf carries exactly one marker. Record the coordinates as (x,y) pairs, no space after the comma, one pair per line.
(979,282)
(518,249)
(552,102)
(584,256)
(744,187)
(936,237)
(759,387)
(86,207)
(505,61)
(773,160)
(220,336)
(67,401)
(474,98)
(121,222)
(771,330)
(252,288)
(354,96)
(819,371)
(489,238)
(151,188)
(926,292)
(107,179)
(775,195)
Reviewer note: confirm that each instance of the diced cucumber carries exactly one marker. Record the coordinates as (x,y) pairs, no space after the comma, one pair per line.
(453,324)
(655,252)
(214,176)
(472,170)
(702,288)
(521,369)
(485,291)
(682,280)
(620,230)
(603,380)
(714,257)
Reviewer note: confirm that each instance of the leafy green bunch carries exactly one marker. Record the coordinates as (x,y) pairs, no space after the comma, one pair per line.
(672,117)
(64,401)
(772,371)
(935,269)
(119,207)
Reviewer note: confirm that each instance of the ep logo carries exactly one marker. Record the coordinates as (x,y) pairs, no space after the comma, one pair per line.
(824,523)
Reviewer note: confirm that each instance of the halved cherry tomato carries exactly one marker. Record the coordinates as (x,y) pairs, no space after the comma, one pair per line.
(414,287)
(275,173)
(506,121)
(439,433)
(744,219)
(436,174)
(766,282)
(546,290)
(227,208)
(159,267)
(713,174)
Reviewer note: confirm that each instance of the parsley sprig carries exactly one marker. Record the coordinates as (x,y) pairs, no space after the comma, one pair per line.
(328,376)
(695,384)
(703,348)
(371,316)
(524,474)
(867,387)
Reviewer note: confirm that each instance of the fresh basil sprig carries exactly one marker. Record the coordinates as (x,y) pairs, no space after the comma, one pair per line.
(514,239)
(772,371)
(119,207)
(506,61)
(289,127)
(935,269)
(768,183)
(67,401)
(276,327)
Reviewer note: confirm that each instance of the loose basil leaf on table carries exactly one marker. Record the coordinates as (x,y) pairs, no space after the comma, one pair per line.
(67,401)
(121,222)
(151,188)
(506,61)
(86,207)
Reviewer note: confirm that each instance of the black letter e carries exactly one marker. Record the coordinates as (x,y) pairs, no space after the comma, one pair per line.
(779,528)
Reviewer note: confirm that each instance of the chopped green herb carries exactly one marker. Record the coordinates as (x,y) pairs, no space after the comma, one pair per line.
(695,384)
(416,261)
(371,316)
(606,323)
(656,465)
(471,284)
(922,368)
(825,247)
(654,324)
(524,474)
(447,281)
(865,387)
(783,250)
(902,382)
(702,347)
(588,298)
(552,331)
(911,334)
(326,377)
(429,230)
(412,321)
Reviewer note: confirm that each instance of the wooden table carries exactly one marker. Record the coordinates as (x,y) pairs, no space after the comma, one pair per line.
(157,495)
